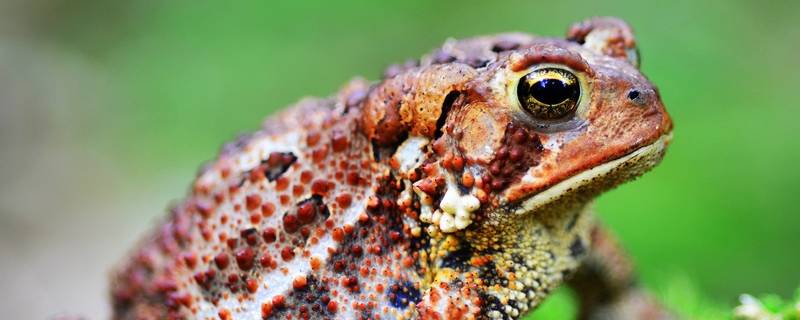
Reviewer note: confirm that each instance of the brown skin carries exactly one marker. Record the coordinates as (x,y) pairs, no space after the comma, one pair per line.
(434,193)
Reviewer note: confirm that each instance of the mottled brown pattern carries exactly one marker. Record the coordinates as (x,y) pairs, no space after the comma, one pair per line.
(429,194)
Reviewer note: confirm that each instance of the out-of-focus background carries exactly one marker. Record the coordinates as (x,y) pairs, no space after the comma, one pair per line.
(108,107)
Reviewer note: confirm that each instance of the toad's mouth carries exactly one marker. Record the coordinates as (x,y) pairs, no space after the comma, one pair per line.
(600,177)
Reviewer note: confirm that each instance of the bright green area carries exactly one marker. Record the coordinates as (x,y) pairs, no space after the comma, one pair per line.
(716,219)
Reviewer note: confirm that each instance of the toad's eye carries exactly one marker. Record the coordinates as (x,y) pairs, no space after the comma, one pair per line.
(549,93)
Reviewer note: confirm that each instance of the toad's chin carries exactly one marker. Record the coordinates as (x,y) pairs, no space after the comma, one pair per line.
(582,187)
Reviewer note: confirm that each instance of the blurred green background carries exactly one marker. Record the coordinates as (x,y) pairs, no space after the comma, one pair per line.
(108,107)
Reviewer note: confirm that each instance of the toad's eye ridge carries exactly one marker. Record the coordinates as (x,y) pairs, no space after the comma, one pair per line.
(549,93)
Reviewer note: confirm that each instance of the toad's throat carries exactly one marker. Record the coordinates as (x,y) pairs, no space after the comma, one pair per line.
(592,181)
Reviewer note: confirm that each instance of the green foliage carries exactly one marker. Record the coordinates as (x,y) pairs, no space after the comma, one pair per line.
(769,306)
(684,298)
(679,295)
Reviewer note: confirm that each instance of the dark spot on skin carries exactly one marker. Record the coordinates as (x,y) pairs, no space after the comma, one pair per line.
(400,294)
(376,151)
(250,236)
(572,221)
(462,189)
(277,163)
(518,260)
(633,94)
(492,303)
(477,62)
(354,99)
(488,272)
(385,151)
(459,258)
(446,106)
(577,248)
(505,45)
(579,41)
(442,57)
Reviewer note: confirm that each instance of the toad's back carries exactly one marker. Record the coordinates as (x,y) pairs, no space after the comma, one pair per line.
(408,198)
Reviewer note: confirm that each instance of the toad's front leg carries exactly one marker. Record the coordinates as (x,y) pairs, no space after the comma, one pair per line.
(605,284)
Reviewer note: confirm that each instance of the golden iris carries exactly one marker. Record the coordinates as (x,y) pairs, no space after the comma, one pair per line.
(549,93)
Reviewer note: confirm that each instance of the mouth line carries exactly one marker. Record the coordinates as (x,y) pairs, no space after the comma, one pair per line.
(585,177)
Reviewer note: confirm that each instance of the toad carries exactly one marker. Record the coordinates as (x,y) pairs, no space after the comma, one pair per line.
(457,187)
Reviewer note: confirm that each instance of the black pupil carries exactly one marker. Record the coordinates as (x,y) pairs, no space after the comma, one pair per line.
(552,91)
